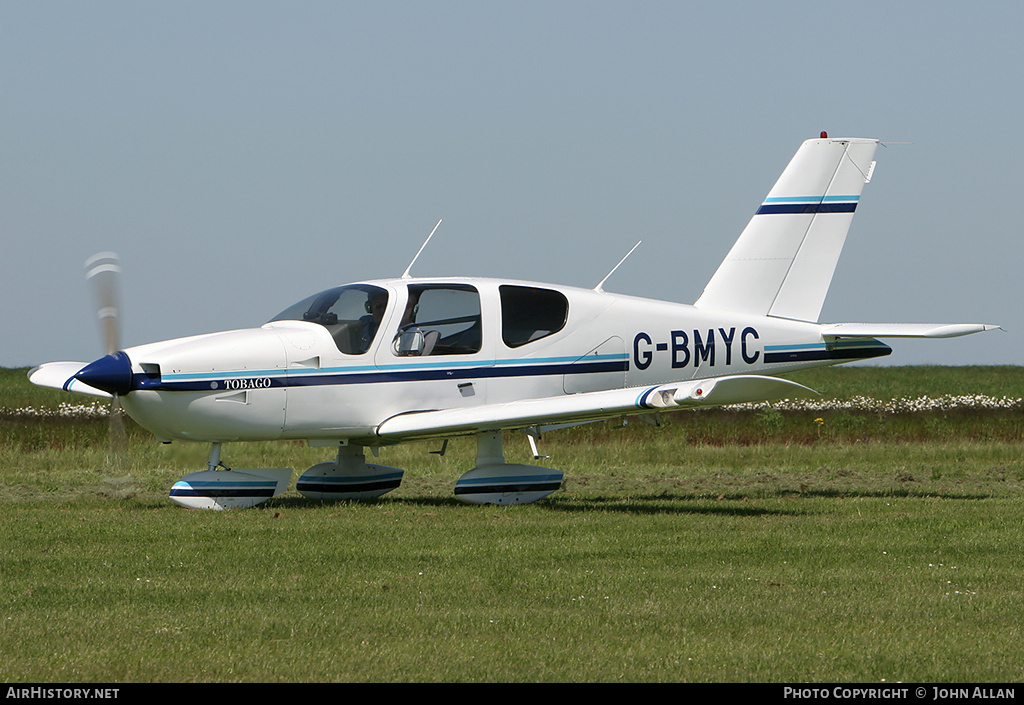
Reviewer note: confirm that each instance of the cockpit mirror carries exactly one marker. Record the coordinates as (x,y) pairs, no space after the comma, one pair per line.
(409,342)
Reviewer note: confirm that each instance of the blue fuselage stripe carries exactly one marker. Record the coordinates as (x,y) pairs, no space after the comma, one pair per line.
(371,375)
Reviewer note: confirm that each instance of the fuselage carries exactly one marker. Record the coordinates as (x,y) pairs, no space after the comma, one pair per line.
(335,366)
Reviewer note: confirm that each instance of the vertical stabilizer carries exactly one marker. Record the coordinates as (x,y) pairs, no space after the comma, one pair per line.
(783,261)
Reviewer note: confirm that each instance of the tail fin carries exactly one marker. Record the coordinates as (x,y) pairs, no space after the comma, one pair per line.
(783,261)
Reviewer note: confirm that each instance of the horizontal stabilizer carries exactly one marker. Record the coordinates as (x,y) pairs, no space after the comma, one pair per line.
(61,375)
(589,406)
(903,330)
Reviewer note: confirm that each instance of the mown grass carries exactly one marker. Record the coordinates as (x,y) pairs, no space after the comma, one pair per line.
(720,546)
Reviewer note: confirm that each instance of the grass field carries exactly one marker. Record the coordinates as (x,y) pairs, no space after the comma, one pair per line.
(849,542)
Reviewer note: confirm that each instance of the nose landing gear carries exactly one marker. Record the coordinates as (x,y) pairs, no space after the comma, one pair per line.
(220,487)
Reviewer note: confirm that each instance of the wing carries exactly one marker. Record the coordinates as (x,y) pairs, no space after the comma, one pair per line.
(61,375)
(589,406)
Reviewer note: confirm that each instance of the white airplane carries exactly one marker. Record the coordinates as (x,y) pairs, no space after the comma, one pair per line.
(382,362)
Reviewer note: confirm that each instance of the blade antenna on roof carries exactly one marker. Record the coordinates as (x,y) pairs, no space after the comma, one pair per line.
(598,287)
(406,275)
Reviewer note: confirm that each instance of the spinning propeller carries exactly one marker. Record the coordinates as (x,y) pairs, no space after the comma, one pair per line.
(111,373)
(103,270)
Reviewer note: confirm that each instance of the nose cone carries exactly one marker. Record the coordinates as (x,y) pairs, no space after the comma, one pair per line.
(111,374)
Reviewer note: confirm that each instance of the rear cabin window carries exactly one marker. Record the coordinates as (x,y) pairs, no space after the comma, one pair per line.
(529,314)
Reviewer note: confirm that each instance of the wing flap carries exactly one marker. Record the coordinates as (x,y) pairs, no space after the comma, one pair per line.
(589,406)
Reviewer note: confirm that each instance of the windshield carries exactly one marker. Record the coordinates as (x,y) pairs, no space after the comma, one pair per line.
(351,313)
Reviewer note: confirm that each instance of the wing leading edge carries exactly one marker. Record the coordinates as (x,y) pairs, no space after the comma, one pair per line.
(589,406)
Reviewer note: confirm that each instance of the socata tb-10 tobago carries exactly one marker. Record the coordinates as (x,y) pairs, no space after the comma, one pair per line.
(387,361)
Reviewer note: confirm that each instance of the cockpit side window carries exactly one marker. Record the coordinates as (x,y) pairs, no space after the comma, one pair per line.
(529,313)
(440,320)
(352,314)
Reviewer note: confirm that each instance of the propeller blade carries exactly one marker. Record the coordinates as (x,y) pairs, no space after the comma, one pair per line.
(103,271)
(116,434)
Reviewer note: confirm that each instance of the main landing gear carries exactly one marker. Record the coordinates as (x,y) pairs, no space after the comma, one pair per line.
(492,481)
(348,477)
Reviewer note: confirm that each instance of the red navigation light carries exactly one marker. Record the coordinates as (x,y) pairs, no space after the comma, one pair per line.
(824,134)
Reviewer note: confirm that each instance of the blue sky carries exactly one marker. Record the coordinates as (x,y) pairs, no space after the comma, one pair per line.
(243,155)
